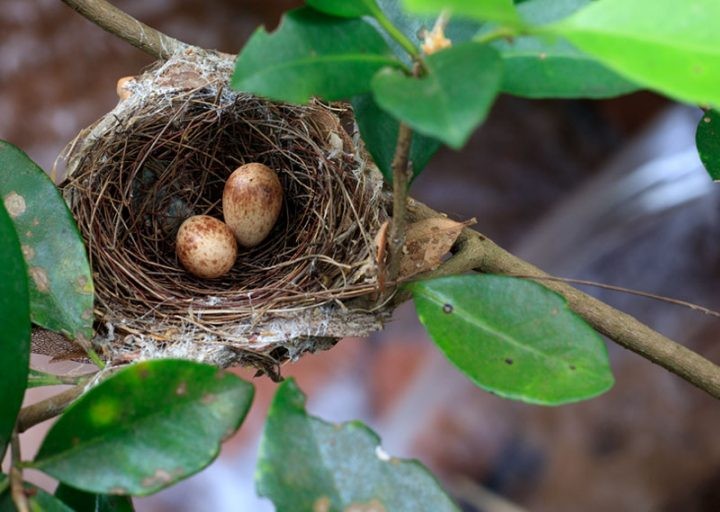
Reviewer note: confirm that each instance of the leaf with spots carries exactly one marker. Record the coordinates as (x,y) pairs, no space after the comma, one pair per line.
(708,142)
(514,338)
(146,427)
(81,500)
(14,328)
(308,464)
(61,289)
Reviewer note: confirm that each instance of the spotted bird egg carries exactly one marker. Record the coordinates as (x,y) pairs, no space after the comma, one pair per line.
(206,246)
(252,201)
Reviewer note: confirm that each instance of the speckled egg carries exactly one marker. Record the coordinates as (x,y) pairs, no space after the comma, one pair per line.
(206,246)
(252,201)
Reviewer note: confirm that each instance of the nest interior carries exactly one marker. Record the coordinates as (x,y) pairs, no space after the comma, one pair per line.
(165,155)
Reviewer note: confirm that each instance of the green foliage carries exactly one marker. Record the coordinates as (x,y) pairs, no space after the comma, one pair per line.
(145,428)
(81,501)
(39,501)
(311,54)
(451,100)
(346,8)
(547,67)
(514,337)
(484,10)
(666,45)
(61,289)
(307,464)
(708,142)
(380,132)
(15,327)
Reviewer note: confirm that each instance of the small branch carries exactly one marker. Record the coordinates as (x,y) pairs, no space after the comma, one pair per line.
(121,24)
(17,490)
(401,179)
(44,410)
(476,252)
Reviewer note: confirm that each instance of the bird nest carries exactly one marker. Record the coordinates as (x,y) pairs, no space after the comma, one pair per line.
(164,154)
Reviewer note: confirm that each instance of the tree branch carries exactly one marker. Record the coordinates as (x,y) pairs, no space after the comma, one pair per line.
(476,252)
(121,24)
(17,491)
(401,178)
(44,410)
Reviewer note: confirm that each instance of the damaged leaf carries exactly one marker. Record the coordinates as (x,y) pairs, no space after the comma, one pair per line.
(308,464)
(144,428)
(514,337)
(426,243)
(61,288)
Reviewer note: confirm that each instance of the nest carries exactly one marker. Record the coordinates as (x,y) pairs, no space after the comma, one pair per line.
(162,155)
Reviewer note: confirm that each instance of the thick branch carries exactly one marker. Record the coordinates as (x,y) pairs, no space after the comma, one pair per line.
(476,252)
(121,24)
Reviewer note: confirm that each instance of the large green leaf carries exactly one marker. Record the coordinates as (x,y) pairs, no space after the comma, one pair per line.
(312,54)
(307,464)
(514,337)
(61,289)
(14,328)
(708,142)
(144,428)
(82,501)
(672,46)
(484,10)
(544,67)
(346,8)
(451,100)
(379,131)
(39,501)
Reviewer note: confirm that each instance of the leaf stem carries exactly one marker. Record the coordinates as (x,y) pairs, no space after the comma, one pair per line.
(397,35)
(38,378)
(503,32)
(16,475)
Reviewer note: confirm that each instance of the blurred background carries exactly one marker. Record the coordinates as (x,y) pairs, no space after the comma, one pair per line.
(611,191)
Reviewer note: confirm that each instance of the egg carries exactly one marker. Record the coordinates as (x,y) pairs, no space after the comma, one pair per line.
(252,201)
(206,246)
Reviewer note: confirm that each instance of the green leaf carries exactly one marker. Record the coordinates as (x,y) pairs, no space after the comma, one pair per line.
(671,46)
(707,138)
(144,428)
(83,501)
(308,464)
(312,54)
(514,337)
(484,10)
(39,501)
(543,67)
(346,8)
(61,289)
(451,100)
(14,328)
(379,131)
